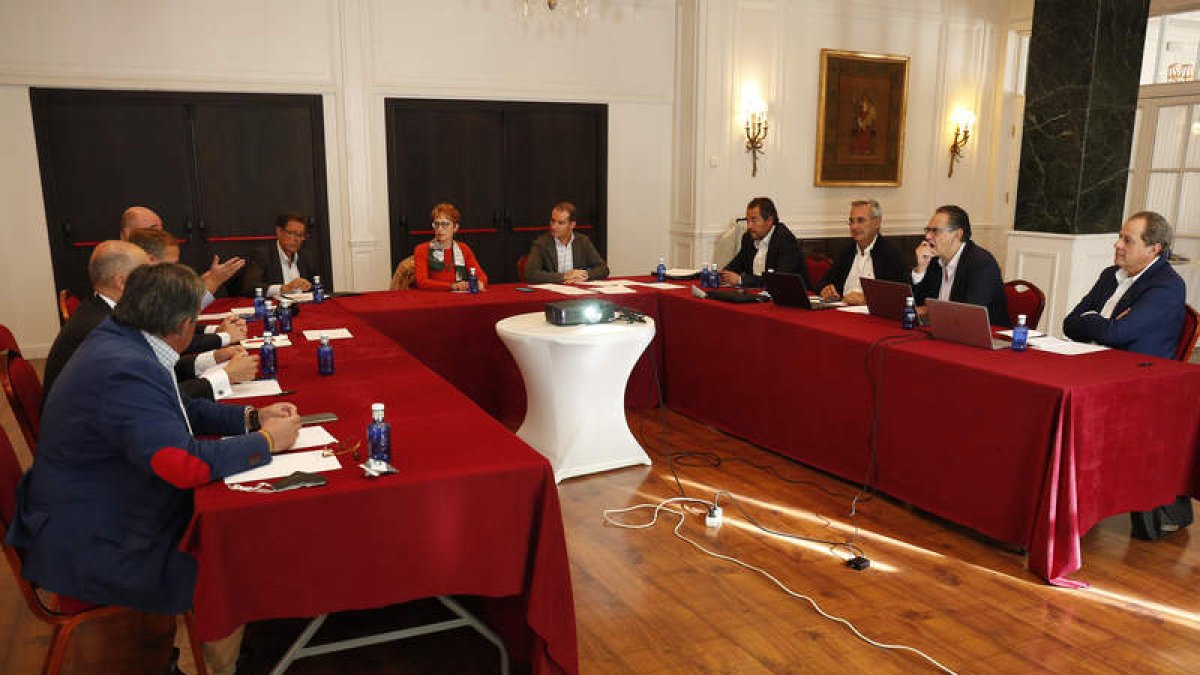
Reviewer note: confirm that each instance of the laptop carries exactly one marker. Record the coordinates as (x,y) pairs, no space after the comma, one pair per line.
(790,290)
(963,323)
(886,299)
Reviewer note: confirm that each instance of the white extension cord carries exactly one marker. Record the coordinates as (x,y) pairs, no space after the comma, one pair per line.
(712,518)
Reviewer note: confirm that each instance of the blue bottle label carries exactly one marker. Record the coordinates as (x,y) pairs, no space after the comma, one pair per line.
(325,360)
(266,359)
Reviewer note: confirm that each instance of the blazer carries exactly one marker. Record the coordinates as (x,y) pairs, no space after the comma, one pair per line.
(783,255)
(1156,306)
(90,313)
(102,511)
(541,267)
(885,258)
(264,269)
(977,281)
(440,281)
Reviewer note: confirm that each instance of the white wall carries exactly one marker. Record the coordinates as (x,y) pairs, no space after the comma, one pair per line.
(354,53)
(956,51)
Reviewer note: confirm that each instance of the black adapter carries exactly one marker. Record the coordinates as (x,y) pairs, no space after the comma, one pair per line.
(858,563)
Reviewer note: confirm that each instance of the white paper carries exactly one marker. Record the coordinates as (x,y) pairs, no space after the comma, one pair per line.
(1032,333)
(664,286)
(257,343)
(855,309)
(312,437)
(214,317)
(299,297)
(284,465)
(614,290)
(331,333)
(255,388)
(563,289)
(608,282)
(681,272)
(1049,343)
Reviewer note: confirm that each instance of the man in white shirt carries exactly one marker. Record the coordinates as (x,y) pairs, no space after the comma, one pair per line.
(871,256)
(766,245)
(285,268)
(563,256)
(952,267)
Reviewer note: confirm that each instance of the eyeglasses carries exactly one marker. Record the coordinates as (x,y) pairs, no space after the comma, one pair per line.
(935,230)
(295,235)
(861,220)
(442,224)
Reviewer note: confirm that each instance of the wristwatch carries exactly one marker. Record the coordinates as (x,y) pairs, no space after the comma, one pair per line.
(252,421)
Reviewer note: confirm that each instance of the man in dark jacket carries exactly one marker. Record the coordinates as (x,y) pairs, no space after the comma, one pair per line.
(1137,305)
(870,257)
(101,512)
(767,245)
(287,267)
(952,267)
(563,256)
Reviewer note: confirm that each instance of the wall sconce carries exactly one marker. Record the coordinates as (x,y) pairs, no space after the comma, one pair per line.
(963,120)
(756,133)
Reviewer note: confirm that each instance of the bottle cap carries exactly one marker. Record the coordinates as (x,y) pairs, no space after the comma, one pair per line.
(316,278)
(1021,318)
(376,407)
(324,339)
(258,291)
(266,333)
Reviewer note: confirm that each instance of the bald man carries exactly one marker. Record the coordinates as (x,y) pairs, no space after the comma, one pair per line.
(142,218)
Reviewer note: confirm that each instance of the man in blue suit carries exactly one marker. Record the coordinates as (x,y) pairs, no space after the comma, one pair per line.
(1138,305)
(101,512)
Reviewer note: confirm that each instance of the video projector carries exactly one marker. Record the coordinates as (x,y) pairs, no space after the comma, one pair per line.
(575,312)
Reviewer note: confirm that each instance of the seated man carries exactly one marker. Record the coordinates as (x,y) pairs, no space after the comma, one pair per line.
(952,267)
(563,256)
(214,361)
(139,217)
(286,268)
(869,257)
(1137,305)
(764,247)
(100,514)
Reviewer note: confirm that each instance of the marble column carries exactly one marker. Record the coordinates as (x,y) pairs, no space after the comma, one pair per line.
(1081,91)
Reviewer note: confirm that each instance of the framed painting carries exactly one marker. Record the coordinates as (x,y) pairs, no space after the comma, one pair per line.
(860,119)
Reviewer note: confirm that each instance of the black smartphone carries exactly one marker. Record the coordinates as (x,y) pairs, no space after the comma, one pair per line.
(298,479)
(526,289)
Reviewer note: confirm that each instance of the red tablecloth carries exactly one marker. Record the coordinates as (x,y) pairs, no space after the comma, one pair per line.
(455,335)
(473,511)
(1030,448)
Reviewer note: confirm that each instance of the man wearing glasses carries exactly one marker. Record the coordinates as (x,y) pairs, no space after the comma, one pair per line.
(952,267)
(869,257)
(285,269)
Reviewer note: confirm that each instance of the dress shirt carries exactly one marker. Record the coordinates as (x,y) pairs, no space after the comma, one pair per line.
(862,267)
(948,271)
(291,271)
(1124,281)
(565,259)
(760,253)
(167,356)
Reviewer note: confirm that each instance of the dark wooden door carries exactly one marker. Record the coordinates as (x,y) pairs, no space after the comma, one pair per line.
(440,152)
(101,152)
(503,164)
(215,167)
(257,156)
(555,152)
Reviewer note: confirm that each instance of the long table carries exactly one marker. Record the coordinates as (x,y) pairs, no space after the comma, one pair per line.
(473,511)
(1029,448)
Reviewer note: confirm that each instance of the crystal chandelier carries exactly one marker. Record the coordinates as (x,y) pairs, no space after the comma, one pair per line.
(581,7)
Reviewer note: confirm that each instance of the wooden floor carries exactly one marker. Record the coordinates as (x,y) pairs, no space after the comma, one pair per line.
(648,602)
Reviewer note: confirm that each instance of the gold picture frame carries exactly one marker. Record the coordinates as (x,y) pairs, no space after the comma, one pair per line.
(860,119)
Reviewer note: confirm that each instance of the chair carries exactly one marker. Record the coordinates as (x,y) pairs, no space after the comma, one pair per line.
(817,264)
(1024,298)
(1188,334)
(521,262)
(24,393)
(8,342)
(67,304)
(406,271)
(64,622)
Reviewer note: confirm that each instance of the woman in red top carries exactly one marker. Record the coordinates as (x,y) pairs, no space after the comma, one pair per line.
(442,264)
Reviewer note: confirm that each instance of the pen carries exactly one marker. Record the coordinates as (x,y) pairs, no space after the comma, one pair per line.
(286,392)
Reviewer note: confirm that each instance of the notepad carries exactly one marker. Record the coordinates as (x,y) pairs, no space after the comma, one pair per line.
(257,343)
(311,461)
(299,297)
(312,437)
(255,388)
(331,333)
(1049,343)
(563,289)
(614,290)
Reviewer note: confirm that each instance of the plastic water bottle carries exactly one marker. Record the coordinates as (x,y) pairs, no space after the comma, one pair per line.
(260,305)
(379,436)
(706,280)
(318,290)
(272,323)
(266,357)
(472,281)
(285,317)
(908,320)
(1020,334)
(660,272)
(325,357)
